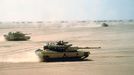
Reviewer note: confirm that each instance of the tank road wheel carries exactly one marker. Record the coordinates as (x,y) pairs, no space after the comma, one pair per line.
(77,54)
(46,58)
(64,55)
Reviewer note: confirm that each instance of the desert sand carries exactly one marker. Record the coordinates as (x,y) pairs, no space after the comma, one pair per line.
(116,56)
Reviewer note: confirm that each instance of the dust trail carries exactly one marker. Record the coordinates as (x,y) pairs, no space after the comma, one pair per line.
(16,54)
(27,55)
(1,38)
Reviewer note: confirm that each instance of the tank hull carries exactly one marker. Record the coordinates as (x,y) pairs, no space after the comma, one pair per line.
(62,59)
(61,56)
(16,36)
(8,38)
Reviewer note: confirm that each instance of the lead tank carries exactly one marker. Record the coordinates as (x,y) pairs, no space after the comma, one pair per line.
(62,51)
(16,36)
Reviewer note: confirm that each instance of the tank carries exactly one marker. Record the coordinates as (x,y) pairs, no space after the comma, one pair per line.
(62,51)
(104,25)
(16,36)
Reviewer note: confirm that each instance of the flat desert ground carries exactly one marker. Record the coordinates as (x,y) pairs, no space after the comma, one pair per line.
(116,56)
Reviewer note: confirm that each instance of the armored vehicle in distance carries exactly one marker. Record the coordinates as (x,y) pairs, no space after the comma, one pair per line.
(104,25)
(62,51)
(16,36)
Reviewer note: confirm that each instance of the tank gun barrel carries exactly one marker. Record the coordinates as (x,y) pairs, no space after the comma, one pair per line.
(88,47)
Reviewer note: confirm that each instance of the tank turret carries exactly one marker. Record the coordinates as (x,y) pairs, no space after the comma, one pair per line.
(62,50)
(16,36)
(65,46)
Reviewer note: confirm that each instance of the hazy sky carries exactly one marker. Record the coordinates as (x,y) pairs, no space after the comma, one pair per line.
(32,10)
